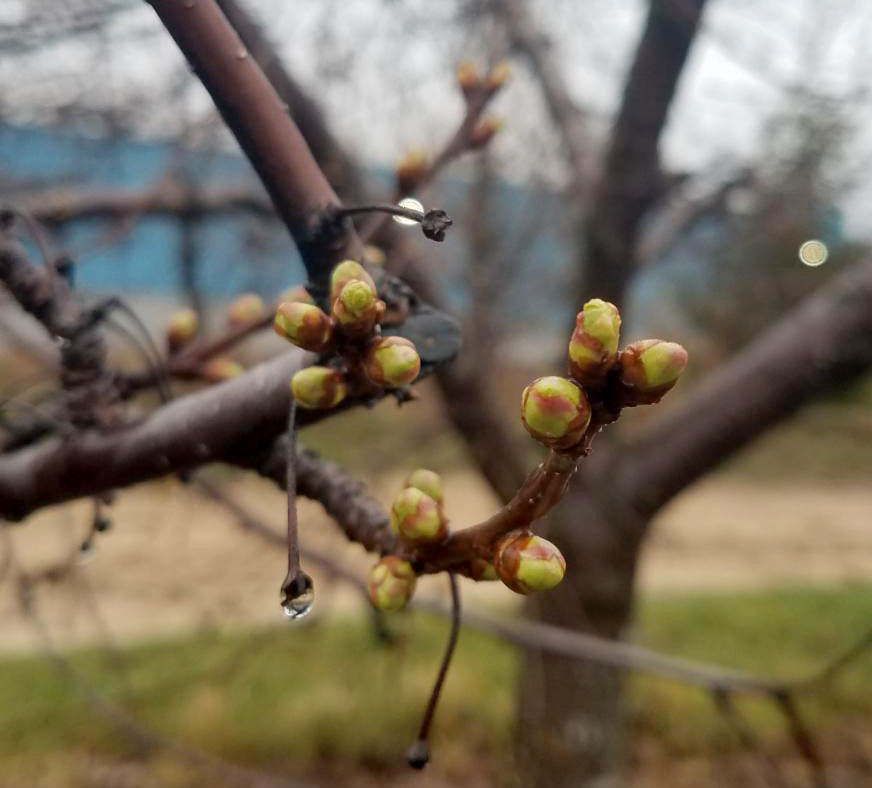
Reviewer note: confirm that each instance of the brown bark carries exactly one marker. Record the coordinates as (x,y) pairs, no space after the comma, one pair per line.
(631,179)
(259,120)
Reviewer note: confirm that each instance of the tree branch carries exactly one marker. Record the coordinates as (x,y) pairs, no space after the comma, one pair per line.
(631,180)
(822,344)
(260,122)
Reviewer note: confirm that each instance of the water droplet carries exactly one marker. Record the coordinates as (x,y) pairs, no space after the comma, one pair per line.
(298,596)
(241,54)
(813,253)
(412,204)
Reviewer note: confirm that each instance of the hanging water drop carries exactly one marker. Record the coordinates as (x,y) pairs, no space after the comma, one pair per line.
(298,596)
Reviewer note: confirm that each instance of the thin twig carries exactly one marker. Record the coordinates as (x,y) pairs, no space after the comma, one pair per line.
(419,753)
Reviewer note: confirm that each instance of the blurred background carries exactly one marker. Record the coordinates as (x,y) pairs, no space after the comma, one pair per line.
(157,654)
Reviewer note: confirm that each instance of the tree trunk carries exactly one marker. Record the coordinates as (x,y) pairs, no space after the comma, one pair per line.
(570,727)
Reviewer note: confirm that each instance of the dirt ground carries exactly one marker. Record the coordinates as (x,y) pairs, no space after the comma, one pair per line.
(174,561)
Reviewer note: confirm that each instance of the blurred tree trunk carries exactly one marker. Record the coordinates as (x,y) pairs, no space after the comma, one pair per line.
(569,720)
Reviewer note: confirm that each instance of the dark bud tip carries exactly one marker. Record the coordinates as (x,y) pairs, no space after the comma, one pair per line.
(435,223)
(418,755)
(102,524)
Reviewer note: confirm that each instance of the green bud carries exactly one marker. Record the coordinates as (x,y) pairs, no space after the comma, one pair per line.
(348,271)
(593,347)
(357,308)
(392,361)
(426,481)
(183,327)
(245,309)
(318,388)
(416,516)
(481,570)
(555,411)
(303,324)
(526,562)
(220,369)
(652,367)
(391,583)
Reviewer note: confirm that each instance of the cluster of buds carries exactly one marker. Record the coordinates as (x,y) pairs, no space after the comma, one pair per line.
(471,81)
(417,518)
(351,333)
(557,411)
(416,514)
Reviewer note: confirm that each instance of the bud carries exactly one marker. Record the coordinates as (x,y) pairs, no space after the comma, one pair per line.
(555,411)
(303,324)
(347,271)
(392,361)
(245,309)
(593,347)
(481,570)
(484,131)
(526,562)
(410,170)
(183,327)
(316,388)
(426,481)
(391,583)
(468,78)
(498,75)
(298,293)
(357,308)
(374,255)
(416,516)
(221,369)
(652,367)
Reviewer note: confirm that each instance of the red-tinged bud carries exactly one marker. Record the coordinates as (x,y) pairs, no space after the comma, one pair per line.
(245,309)
(498,75)
(652,367)
(303,324)
(416,517)
(526,562)
(318,388)
(182,328)
(220,369)
(357,308)
(484,131)
(426,481)
(347,271)
(555,412)
(391,583)
(294,294)
(468,78)
(374,255)
(392,361)
(481,570)
(410,170)
(593,347)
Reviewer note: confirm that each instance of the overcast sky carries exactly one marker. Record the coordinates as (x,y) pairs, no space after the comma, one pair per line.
(382,70)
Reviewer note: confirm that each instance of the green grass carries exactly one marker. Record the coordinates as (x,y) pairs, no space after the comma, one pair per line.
(331,692)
